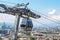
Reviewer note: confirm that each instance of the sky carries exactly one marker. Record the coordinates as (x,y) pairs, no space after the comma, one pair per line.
(50,9)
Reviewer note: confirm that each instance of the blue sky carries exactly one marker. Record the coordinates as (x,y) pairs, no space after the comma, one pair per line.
(50,8)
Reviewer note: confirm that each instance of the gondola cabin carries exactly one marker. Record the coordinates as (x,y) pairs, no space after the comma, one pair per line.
(26,24)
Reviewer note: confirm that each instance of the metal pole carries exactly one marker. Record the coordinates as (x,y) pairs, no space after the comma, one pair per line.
(16,26)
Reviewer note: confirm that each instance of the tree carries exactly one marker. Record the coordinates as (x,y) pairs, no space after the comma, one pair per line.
(54,39)
(0,38)
(31,38)
(47,39)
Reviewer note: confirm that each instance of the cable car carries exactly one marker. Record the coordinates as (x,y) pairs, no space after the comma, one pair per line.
(26,24)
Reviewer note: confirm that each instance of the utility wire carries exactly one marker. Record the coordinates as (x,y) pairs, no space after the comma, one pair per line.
(46,17)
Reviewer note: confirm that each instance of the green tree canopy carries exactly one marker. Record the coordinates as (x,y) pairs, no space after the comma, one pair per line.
(31,38)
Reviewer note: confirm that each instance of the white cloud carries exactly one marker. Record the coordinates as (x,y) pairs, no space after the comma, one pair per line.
(51,11)
(7,18)
(57,17)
